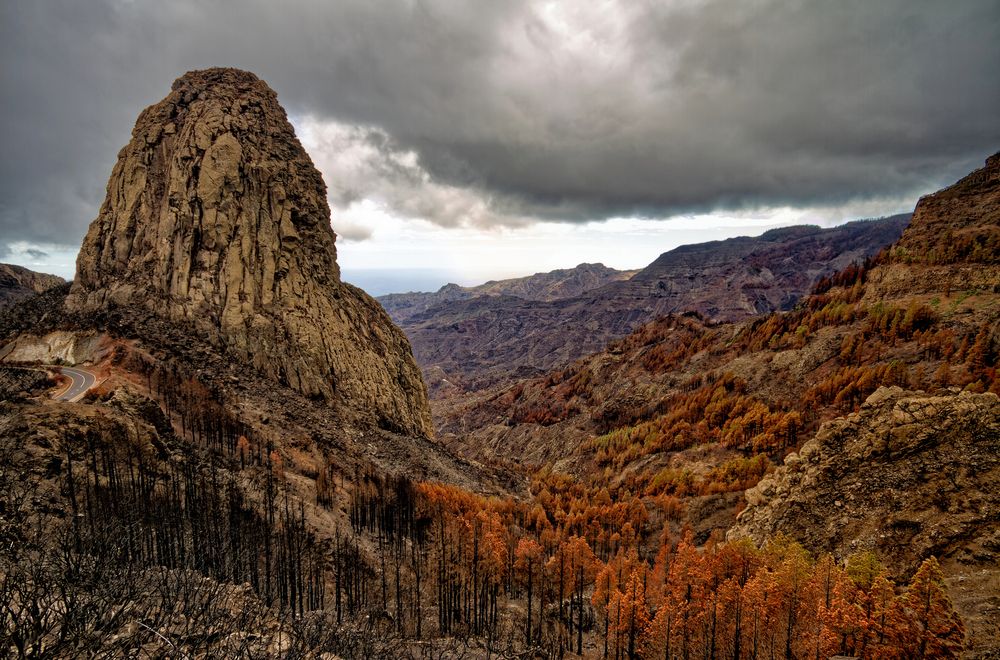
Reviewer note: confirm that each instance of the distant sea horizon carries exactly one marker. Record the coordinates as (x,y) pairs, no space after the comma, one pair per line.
(382,281)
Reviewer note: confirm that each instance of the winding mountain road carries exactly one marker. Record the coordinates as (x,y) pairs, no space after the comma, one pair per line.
(81,380)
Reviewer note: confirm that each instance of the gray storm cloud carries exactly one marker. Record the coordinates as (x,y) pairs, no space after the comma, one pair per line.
(365,163)
(491,113)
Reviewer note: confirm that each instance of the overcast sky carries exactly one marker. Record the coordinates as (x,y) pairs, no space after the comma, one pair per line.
(487,138)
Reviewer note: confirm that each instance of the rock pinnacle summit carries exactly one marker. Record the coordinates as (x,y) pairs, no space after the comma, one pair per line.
(216,216)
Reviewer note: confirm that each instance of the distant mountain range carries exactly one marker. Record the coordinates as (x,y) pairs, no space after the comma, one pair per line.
(554,285)
(474,337)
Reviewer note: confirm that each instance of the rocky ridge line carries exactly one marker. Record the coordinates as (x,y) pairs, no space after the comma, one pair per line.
(479,342)
(553,285)
(18,283)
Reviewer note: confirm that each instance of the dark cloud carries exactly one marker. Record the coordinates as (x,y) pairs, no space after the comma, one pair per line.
(521,110)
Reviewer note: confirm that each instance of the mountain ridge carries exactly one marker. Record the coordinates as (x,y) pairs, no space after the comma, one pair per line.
(695,415)
(18,283)
(546,286)
(475,342)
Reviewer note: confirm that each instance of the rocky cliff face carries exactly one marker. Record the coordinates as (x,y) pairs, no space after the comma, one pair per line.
(908,476)
(216,216)
(959,223)
(17,283)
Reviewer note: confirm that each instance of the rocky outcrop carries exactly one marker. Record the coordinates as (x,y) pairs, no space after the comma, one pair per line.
(215,216)
(18,283)
(958,223)
(908,476)
(57,347)
(553,285)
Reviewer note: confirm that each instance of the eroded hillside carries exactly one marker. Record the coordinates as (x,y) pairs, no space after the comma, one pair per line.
(17,283)
(908,476)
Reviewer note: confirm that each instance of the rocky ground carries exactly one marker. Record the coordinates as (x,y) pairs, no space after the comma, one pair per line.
(21,383)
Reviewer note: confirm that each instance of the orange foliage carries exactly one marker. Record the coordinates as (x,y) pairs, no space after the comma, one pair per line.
(776,601)
(718,411)
(848,387)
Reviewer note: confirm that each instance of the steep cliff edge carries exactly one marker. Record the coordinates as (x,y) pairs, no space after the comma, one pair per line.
(215,215)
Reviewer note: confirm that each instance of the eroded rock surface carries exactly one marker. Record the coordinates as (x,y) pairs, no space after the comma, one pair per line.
(908,476)
(215,215)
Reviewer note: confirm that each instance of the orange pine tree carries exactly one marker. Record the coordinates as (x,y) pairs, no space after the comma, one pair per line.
(934,629)
(605,588)
(634,620)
